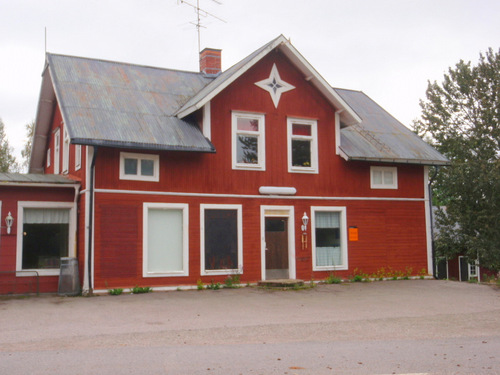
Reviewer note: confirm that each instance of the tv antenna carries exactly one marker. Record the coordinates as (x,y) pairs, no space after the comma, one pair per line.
(201,12)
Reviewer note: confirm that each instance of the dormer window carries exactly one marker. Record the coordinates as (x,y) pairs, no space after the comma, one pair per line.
(143,167)
(248,141)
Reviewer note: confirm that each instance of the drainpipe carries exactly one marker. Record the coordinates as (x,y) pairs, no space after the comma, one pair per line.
(91,218)
(433,248)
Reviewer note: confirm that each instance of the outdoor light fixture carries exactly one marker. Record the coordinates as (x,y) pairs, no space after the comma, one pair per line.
(9,220)
(305,221)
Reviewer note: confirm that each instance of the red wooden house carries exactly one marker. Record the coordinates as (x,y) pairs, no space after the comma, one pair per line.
(263,170)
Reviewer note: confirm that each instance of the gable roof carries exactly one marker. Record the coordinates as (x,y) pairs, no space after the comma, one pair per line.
(113,104)
(380,137)
(348,115)
(35,179)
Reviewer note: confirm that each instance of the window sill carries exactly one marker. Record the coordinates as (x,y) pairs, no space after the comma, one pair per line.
(165,274)
(38,272)
(330,268)
(302,170)
(222,272)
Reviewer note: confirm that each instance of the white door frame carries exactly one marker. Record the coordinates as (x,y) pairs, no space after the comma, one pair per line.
(278,211)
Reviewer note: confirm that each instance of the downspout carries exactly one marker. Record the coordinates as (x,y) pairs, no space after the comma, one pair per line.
(433,247)
(91,218)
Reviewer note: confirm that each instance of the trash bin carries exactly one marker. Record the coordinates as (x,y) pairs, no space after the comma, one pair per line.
(69,282)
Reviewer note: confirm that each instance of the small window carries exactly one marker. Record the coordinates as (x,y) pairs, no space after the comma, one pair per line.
(48,157)
(57,145)
(221,239)
(302,146)
(329,238)
(384,177)
(165,240)
(78,157)
(142,167)
(65,152)
(472,270)
(248,144)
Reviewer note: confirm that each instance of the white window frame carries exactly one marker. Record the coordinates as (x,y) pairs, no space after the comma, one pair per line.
(343,237)
(393,185)
(21,205)
(473,270)
(261,140)
(65,166)
(57,149)
(139,157)
(185,239)
(239,216)
(78,157)
(48,157)
(313,138)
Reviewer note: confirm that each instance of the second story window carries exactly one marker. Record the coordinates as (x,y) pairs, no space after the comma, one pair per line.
(248,141)
(383,177)
(143,167)
(302,146)
(57,145)
(65,167)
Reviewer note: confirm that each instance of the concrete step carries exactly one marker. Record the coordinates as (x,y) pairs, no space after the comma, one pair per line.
(281,283)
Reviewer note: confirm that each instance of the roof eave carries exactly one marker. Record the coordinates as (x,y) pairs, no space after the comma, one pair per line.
(142,146)
(396,160)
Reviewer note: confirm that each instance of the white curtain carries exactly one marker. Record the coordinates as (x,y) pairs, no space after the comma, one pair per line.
(165,240)
(331,255)
(46,216)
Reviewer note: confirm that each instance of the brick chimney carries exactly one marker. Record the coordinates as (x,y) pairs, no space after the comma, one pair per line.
(210,61)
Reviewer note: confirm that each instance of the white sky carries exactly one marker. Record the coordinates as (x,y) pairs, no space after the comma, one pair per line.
(386,48)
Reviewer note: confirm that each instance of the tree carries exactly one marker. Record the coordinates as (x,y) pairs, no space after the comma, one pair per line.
(8,161)
(28,144)
(461,116)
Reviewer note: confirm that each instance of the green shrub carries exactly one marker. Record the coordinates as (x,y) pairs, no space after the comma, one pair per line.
(115,292)
(141,289)
(332,279)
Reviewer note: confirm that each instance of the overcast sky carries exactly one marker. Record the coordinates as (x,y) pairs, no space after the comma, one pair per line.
(385,48)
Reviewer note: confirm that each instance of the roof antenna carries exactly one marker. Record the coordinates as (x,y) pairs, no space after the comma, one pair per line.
(203,13)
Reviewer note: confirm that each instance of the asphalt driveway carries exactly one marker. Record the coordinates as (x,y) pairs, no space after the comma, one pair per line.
(257,331)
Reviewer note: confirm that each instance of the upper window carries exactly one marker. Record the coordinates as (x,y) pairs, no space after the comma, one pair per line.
(65,167)
(329,238)
(221,239)
(57,145)
(78,157)
(45,234)
(248,141)
(142,167)
(165,240)
(302,146)
(384,177)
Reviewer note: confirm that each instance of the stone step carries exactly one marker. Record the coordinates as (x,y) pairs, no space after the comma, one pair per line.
(281,283)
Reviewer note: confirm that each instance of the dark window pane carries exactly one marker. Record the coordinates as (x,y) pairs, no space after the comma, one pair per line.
(44,245)
(301,153)
(275,225)
(221,239)
(327,237)
(147,167)
(130,166)
(247,152)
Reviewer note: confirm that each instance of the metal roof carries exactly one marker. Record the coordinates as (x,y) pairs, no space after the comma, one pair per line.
(123,105)
(34,178)
(380,137)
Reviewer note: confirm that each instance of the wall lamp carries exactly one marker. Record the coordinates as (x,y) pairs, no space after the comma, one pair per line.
(9,220)
(305,221)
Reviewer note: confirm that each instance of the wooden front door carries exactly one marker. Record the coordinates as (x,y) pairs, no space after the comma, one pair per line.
(276,248)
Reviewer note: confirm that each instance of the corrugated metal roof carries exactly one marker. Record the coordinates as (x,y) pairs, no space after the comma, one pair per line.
(380,137)
(124,105)
(33,178)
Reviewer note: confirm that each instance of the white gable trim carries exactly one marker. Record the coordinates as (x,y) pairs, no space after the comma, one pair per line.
(348,115)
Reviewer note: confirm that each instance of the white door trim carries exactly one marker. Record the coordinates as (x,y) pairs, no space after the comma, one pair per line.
(278,211)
